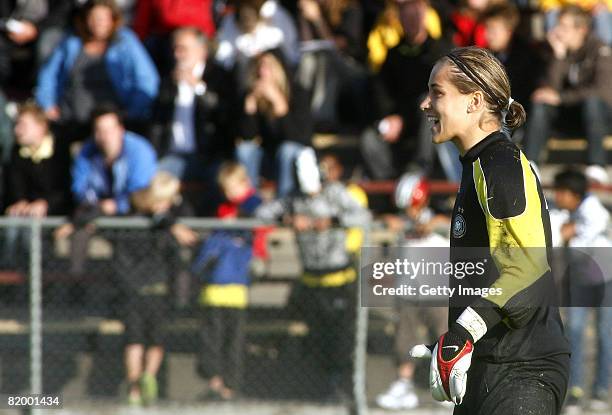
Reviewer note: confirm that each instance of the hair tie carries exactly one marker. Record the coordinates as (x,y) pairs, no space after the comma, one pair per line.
(465,68)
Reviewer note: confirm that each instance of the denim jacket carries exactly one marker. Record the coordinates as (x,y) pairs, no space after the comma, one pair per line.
(129,66)
(132,171)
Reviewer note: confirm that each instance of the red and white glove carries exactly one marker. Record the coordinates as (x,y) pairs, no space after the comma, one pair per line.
(451,357)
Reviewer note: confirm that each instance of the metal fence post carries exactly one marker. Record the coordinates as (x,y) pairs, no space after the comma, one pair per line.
(360,405)
(35,309)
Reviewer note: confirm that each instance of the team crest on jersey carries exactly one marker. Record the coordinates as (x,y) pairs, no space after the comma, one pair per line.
(459,226)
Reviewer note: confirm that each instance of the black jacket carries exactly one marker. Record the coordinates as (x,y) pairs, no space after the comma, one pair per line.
(49,179)
(214,112)
(524,64)
(402,81)
(296,125)
(500,220)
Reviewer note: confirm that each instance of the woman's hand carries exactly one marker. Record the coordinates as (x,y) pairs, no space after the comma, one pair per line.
(556,43)
(250,104)
(269,91)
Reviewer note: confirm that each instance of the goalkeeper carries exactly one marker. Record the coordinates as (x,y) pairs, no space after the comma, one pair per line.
(504,354)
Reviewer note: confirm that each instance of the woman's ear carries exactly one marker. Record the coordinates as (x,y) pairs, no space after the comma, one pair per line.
(477,102)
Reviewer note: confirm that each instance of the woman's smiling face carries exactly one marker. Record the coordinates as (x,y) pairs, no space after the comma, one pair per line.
(445,106)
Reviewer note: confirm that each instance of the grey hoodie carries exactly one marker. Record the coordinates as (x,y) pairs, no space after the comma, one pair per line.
(321,252)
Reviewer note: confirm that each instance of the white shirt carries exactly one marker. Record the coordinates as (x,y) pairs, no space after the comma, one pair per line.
(183,128)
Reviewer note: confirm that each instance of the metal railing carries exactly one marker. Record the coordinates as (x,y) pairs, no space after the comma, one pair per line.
(38,323)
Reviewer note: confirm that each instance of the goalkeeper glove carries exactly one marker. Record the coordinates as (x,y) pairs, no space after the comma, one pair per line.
(451,356)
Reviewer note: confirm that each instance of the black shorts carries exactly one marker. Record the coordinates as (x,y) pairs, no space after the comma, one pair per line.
(537,387)
(144,318)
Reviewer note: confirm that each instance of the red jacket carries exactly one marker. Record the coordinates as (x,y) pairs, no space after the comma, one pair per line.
(163,16)
(469,31)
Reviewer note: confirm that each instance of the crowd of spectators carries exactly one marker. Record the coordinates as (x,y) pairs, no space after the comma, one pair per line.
(206,81)
(99,97)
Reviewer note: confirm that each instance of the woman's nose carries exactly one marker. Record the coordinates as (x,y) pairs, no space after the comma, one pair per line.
(425,104)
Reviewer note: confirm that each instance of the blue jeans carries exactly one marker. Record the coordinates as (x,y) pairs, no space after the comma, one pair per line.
(16,246)
(577,317)
(595,116)
(189,167)
(381,157)
(251,154)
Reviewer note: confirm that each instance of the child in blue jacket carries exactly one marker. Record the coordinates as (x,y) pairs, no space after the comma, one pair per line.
(223,263)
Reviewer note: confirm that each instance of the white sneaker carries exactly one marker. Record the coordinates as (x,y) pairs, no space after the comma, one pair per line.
(597,405)
(400,395)
(597,174)
(572,409)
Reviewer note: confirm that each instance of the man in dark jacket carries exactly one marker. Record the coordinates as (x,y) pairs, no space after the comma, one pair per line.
(192,132)
(398,91)
(577,83)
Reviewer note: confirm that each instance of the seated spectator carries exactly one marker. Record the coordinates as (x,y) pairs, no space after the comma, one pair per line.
(255,27)
(276,121)
(469,30)
(585,229)
(388,32)
(338,22)
(577,85)
(112,165)
(37,178)
(155,20)
(39,169)
(520,58)
(192,129)
(600,11)
(331,32)
(397,115)
(101,62)
(24,38)
(146,262)
(223,265)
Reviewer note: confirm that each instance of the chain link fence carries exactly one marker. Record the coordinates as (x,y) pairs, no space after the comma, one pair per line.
(86,315)
(71,309)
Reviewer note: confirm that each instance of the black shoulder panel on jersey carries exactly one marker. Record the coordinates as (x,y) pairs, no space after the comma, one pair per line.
(503,172)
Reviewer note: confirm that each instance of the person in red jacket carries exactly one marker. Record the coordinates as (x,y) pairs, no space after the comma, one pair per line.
(469,30)
(155,20)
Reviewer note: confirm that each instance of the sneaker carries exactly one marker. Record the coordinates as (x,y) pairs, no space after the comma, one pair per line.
(400,395)
(134,400)
(572,404)
(148,388)
(599,405)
